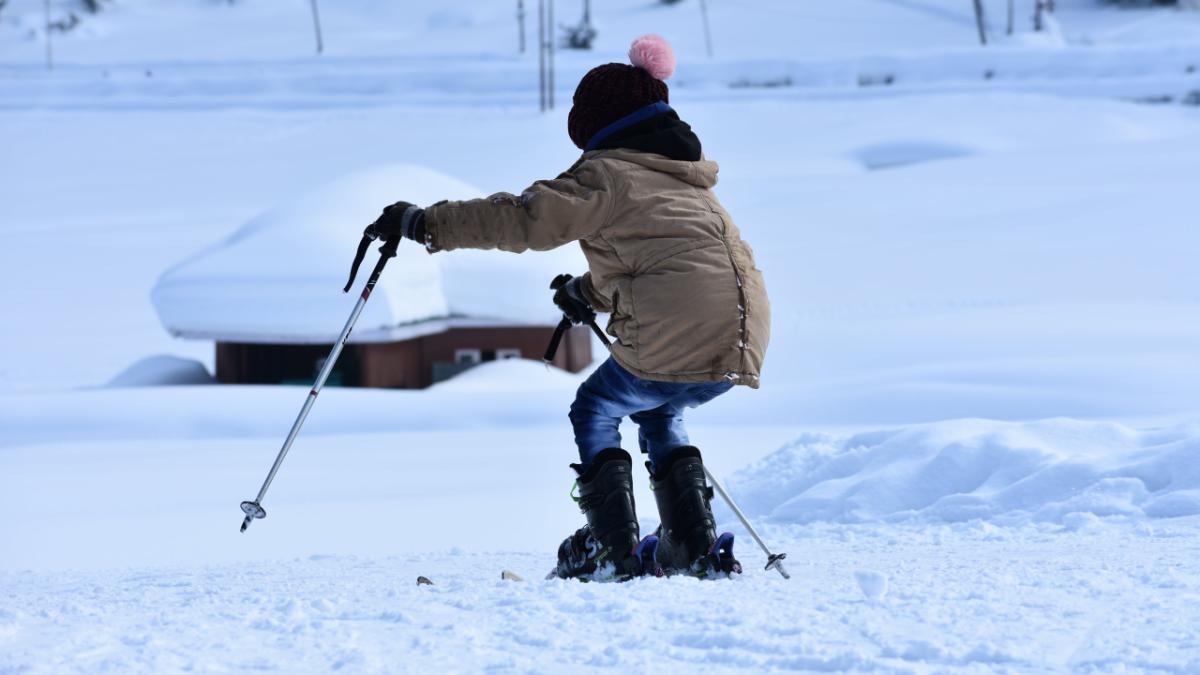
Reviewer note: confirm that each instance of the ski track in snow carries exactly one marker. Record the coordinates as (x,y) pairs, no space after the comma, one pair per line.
(970,598)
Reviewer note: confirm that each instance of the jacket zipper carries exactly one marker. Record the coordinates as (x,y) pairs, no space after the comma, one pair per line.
(737,276)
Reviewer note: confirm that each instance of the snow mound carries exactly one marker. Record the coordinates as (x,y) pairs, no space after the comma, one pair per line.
(160,370)
(511,375)
(904,153)
(873,584)
(1060,471)
(280,276)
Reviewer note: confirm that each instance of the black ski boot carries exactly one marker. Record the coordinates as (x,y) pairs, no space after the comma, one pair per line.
(607,548)
(688,541)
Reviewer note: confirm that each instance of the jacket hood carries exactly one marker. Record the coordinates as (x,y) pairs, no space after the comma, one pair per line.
(702,173)
(655,128)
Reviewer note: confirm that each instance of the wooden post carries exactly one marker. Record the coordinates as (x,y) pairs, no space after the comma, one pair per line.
(49,47)
(979,22)
(317,26)
(542,53)
(1011,13)
(707,32)
(521,26)
(550,46)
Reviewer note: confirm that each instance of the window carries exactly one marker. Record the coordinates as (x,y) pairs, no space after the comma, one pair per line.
(467,356)
(508,353)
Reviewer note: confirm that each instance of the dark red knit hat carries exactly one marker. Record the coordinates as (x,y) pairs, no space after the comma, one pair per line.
(611,91)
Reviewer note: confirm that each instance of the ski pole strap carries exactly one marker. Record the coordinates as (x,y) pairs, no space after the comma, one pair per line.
(559,331)
(358,258)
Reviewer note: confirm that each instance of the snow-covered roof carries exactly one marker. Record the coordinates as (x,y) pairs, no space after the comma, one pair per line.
(279,277)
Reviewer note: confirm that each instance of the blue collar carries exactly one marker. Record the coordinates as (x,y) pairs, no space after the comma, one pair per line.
(639,115)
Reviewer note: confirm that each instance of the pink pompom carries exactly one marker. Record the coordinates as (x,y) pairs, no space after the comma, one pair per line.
(654,54)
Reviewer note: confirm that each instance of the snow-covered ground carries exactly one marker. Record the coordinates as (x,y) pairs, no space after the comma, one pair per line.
(969,598)
(979,428)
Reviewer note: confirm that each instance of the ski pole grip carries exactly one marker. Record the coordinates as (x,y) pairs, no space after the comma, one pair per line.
(388,250)
(560,281)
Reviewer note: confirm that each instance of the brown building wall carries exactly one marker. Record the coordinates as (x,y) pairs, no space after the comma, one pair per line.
(246,363)
(407,365)
(394,365)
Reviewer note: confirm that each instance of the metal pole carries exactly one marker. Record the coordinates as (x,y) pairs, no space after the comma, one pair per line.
(312,398)
(254,509)
(979,22)
(550,46)
(542,54)
(49,48)
(317,26)
(707,33)
(521,25)
(774,560)
(1040,8)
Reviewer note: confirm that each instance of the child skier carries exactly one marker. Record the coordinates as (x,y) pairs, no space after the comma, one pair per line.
(688,309)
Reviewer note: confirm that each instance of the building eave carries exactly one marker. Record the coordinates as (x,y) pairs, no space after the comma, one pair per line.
(398,333)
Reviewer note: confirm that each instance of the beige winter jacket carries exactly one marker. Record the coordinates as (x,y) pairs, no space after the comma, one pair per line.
(665,260)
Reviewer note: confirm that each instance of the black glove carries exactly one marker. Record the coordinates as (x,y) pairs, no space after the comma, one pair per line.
(403,219)
(568,295)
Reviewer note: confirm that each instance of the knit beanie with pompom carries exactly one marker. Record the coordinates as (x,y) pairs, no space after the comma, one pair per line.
(612,91)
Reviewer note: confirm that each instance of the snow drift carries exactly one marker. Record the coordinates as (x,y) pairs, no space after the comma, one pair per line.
(1060,471)
(162,370)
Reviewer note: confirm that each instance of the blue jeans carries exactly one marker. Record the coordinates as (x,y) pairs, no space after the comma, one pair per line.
(657,407)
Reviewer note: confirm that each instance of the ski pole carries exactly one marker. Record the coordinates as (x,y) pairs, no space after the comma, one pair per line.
(774,560)
(254,509)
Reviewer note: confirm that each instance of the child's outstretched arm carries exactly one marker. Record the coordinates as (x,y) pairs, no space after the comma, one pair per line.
(548,214)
